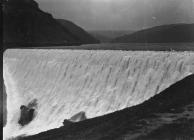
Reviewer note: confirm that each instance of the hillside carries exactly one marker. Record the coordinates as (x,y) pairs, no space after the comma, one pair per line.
(168,115)
(25,24)
(174,33)
(78,32)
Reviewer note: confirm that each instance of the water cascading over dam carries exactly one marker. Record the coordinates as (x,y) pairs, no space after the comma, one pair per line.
(65,82)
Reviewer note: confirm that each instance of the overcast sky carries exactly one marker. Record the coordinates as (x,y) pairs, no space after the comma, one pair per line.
(120,14)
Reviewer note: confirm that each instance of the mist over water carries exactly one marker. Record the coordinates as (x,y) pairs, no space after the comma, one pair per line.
(66,82)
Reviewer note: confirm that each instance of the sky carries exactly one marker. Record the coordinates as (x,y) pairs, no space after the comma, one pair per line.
(120,14)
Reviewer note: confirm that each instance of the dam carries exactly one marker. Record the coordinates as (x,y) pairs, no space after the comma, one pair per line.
(66,82)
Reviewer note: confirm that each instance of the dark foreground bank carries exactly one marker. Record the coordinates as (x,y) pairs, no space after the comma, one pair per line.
(169,115)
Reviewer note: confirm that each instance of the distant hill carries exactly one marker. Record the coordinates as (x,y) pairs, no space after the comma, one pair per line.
(168,115)
(27,25)
(173,33)
(107,36)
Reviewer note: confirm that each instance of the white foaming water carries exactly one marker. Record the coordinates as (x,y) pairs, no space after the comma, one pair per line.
(65,82)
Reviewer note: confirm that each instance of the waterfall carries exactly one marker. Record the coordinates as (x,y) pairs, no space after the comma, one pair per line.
(66,82)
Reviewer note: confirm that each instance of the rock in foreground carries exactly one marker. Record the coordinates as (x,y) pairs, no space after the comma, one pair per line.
(81,116)
(26,116)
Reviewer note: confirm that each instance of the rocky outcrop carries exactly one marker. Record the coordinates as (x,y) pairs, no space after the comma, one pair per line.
(81,116)
(27,113)
(67,122)
(26,116)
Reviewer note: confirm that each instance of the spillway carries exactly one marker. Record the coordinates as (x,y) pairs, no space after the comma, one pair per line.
(65,82)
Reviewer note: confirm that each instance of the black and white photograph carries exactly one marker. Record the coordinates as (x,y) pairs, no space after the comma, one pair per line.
(97,70)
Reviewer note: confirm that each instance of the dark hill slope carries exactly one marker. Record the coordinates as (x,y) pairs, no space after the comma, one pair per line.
(160,34)
(78,32)
(26,25)
(161,117)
